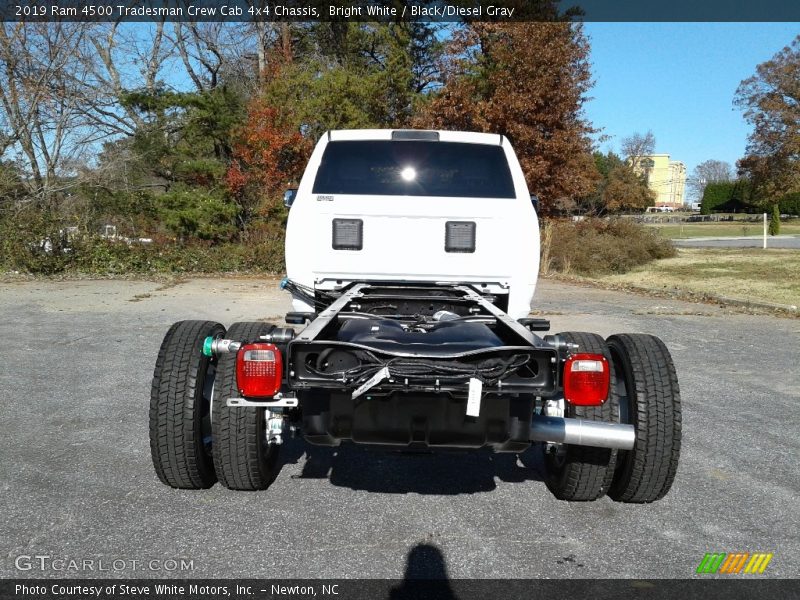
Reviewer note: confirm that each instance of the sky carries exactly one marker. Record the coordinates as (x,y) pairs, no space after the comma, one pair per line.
(678,80)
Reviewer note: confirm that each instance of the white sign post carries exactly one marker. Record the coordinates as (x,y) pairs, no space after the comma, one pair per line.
(765,231)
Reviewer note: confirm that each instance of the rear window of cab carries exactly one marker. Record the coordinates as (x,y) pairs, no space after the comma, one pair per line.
(414,168)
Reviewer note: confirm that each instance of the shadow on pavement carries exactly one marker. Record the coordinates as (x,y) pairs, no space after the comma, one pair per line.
(425,576)
(393,472)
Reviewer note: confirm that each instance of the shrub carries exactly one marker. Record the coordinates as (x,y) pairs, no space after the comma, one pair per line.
(262,247)
(34,241)
(600,246)
(133,213)
(21,250)
(98,256)
(775,221)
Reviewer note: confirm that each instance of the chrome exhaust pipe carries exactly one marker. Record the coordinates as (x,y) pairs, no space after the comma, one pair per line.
(581,432)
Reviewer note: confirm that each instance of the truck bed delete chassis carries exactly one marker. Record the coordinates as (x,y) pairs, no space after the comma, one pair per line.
(396,388)
(531,360)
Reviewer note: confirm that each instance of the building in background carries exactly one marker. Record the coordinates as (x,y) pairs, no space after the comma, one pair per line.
(667,178)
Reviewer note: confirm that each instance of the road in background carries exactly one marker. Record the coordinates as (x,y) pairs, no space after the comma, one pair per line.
(783,241)
(76,479)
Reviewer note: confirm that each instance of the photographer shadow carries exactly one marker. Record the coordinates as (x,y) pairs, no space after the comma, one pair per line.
(425,576)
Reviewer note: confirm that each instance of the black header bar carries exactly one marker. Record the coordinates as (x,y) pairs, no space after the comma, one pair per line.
(399,10)
(712,588)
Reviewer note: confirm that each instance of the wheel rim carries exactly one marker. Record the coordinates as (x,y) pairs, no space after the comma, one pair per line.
(621,387)
(207,403)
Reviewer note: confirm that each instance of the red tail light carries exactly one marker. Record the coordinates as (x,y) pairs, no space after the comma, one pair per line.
(586,379)
(259,370)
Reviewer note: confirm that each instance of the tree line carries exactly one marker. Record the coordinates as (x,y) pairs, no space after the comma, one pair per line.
(768,176)
(187,133)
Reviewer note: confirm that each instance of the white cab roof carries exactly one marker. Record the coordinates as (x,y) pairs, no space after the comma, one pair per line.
(468,137)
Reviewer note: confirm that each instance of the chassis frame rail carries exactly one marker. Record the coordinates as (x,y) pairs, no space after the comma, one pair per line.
(539,377)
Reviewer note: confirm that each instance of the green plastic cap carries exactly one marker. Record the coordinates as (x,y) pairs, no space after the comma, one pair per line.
(207,346)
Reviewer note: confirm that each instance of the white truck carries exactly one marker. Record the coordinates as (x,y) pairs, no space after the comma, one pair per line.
(412,258)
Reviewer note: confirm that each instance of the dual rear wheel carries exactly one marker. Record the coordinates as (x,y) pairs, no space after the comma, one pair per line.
(645,393)
(195,438)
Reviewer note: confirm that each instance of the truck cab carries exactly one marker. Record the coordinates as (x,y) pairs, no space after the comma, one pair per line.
(414,206)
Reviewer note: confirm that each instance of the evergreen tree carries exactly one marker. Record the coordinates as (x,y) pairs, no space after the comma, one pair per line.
(775,221)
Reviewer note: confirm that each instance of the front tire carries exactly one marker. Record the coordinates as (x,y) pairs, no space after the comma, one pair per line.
(583,473)
(651,398)
(243,457)
(180,428)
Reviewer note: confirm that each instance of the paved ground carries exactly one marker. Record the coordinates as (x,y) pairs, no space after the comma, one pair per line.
(76,480)
(783,241)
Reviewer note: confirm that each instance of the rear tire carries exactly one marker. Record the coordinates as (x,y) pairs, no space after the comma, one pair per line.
(180,428)
(243,458)
(649,392)
(583,473)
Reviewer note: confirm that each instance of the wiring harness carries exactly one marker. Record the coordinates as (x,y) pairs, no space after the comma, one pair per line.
(319,299)
(490,371)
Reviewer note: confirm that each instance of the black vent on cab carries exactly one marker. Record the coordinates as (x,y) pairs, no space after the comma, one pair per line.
(348,234)
(459,236)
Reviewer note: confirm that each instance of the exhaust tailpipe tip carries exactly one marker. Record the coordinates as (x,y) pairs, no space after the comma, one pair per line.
(582,432)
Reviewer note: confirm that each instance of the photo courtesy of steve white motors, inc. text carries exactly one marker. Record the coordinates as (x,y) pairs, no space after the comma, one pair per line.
(169,589)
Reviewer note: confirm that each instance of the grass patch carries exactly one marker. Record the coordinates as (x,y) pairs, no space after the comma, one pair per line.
(748,274)
(722,229)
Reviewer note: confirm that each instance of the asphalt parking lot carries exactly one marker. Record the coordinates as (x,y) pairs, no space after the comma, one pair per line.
(76,481)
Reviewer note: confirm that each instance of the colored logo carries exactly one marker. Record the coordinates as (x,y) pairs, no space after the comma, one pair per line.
(735,563)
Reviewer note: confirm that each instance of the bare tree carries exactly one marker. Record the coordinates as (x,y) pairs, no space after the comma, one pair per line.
(41,111)
(709,171)
(123,58)
(233,52)
(6,135)
(200,49)
(636,146)
(63,86)
(119,59)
